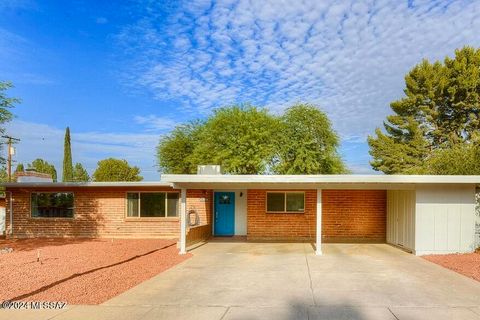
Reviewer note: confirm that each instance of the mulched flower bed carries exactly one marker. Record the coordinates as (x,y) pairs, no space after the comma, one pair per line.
(80,271)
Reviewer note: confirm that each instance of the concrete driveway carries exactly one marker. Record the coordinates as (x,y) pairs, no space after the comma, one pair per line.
(287,281)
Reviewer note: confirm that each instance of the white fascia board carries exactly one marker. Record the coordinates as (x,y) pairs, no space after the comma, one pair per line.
(321,179)
(85,184)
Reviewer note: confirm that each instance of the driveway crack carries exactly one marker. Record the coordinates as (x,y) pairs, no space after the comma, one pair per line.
(225,313)
(392,313)
(310,277)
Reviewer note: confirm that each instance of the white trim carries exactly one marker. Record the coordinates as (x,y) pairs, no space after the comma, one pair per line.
(319,179)
(432,252)
(139,204)
(87,184)
(318,239)
(183,221)
(242,181)
(214,203)
(10,207)
(284,201)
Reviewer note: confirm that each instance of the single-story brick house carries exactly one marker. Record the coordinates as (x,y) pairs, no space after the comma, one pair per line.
(422,214)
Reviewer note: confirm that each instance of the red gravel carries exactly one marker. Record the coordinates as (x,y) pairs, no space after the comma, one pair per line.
(467,264)
(81,271)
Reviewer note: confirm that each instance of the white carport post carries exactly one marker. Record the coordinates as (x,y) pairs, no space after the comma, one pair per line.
(183,221)
(318,245)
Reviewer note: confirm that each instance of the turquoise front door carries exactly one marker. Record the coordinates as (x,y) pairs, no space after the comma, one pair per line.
(224,214)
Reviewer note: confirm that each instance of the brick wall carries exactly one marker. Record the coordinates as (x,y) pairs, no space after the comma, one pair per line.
(99,212)
(200,201)
(354,215)
(280,226)
(348,215)
(199,204)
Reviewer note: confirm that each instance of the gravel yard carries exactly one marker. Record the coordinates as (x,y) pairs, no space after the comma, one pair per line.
(81,271)
(467,264)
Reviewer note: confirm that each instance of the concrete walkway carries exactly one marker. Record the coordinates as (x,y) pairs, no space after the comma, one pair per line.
(287,281)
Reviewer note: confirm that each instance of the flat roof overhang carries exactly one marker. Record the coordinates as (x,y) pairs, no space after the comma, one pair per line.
(121,184)
(313,181)
(194,181)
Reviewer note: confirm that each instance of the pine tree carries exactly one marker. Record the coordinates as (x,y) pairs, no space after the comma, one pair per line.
(80,174)
(67,158)
(440,110)
(20,168)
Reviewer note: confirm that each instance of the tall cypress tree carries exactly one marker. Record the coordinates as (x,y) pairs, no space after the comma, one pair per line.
(67,158)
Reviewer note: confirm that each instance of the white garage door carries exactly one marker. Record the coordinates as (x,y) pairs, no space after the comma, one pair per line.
(401,218)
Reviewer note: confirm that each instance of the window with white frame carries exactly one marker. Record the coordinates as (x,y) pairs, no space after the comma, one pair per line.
(152,204)
(285,202)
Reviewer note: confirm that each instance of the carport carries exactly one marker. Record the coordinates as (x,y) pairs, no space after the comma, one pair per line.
(422,214)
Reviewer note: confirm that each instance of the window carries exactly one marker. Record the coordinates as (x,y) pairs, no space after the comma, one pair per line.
(285,202)
(152,204)
(52,205)
(224,199)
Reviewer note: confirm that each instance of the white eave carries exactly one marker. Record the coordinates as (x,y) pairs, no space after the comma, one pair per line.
(262,181)
(266,181)
(334,178)
(85,184)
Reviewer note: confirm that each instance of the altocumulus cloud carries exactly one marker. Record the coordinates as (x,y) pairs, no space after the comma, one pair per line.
(349,57)
(154,123)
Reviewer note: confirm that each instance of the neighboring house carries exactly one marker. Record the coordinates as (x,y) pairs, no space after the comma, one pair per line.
(30,175)
(422,214)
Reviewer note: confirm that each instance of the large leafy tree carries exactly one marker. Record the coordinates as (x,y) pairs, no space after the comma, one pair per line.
(6,103)
(441,109)
(240,138)
(249,140)
(67,175)
(175,151)
(116,170)
(80,174)
(3,174)
(307,143)
(43,166)
(461,159)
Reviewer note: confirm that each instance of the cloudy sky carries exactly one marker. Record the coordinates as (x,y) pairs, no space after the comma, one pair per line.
(122,74)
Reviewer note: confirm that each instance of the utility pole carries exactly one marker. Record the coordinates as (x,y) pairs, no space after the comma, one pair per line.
(10,153)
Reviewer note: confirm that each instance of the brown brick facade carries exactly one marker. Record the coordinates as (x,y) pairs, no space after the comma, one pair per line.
(199,206)
(348,215)
(100,212)
(354,215)
(280,226)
